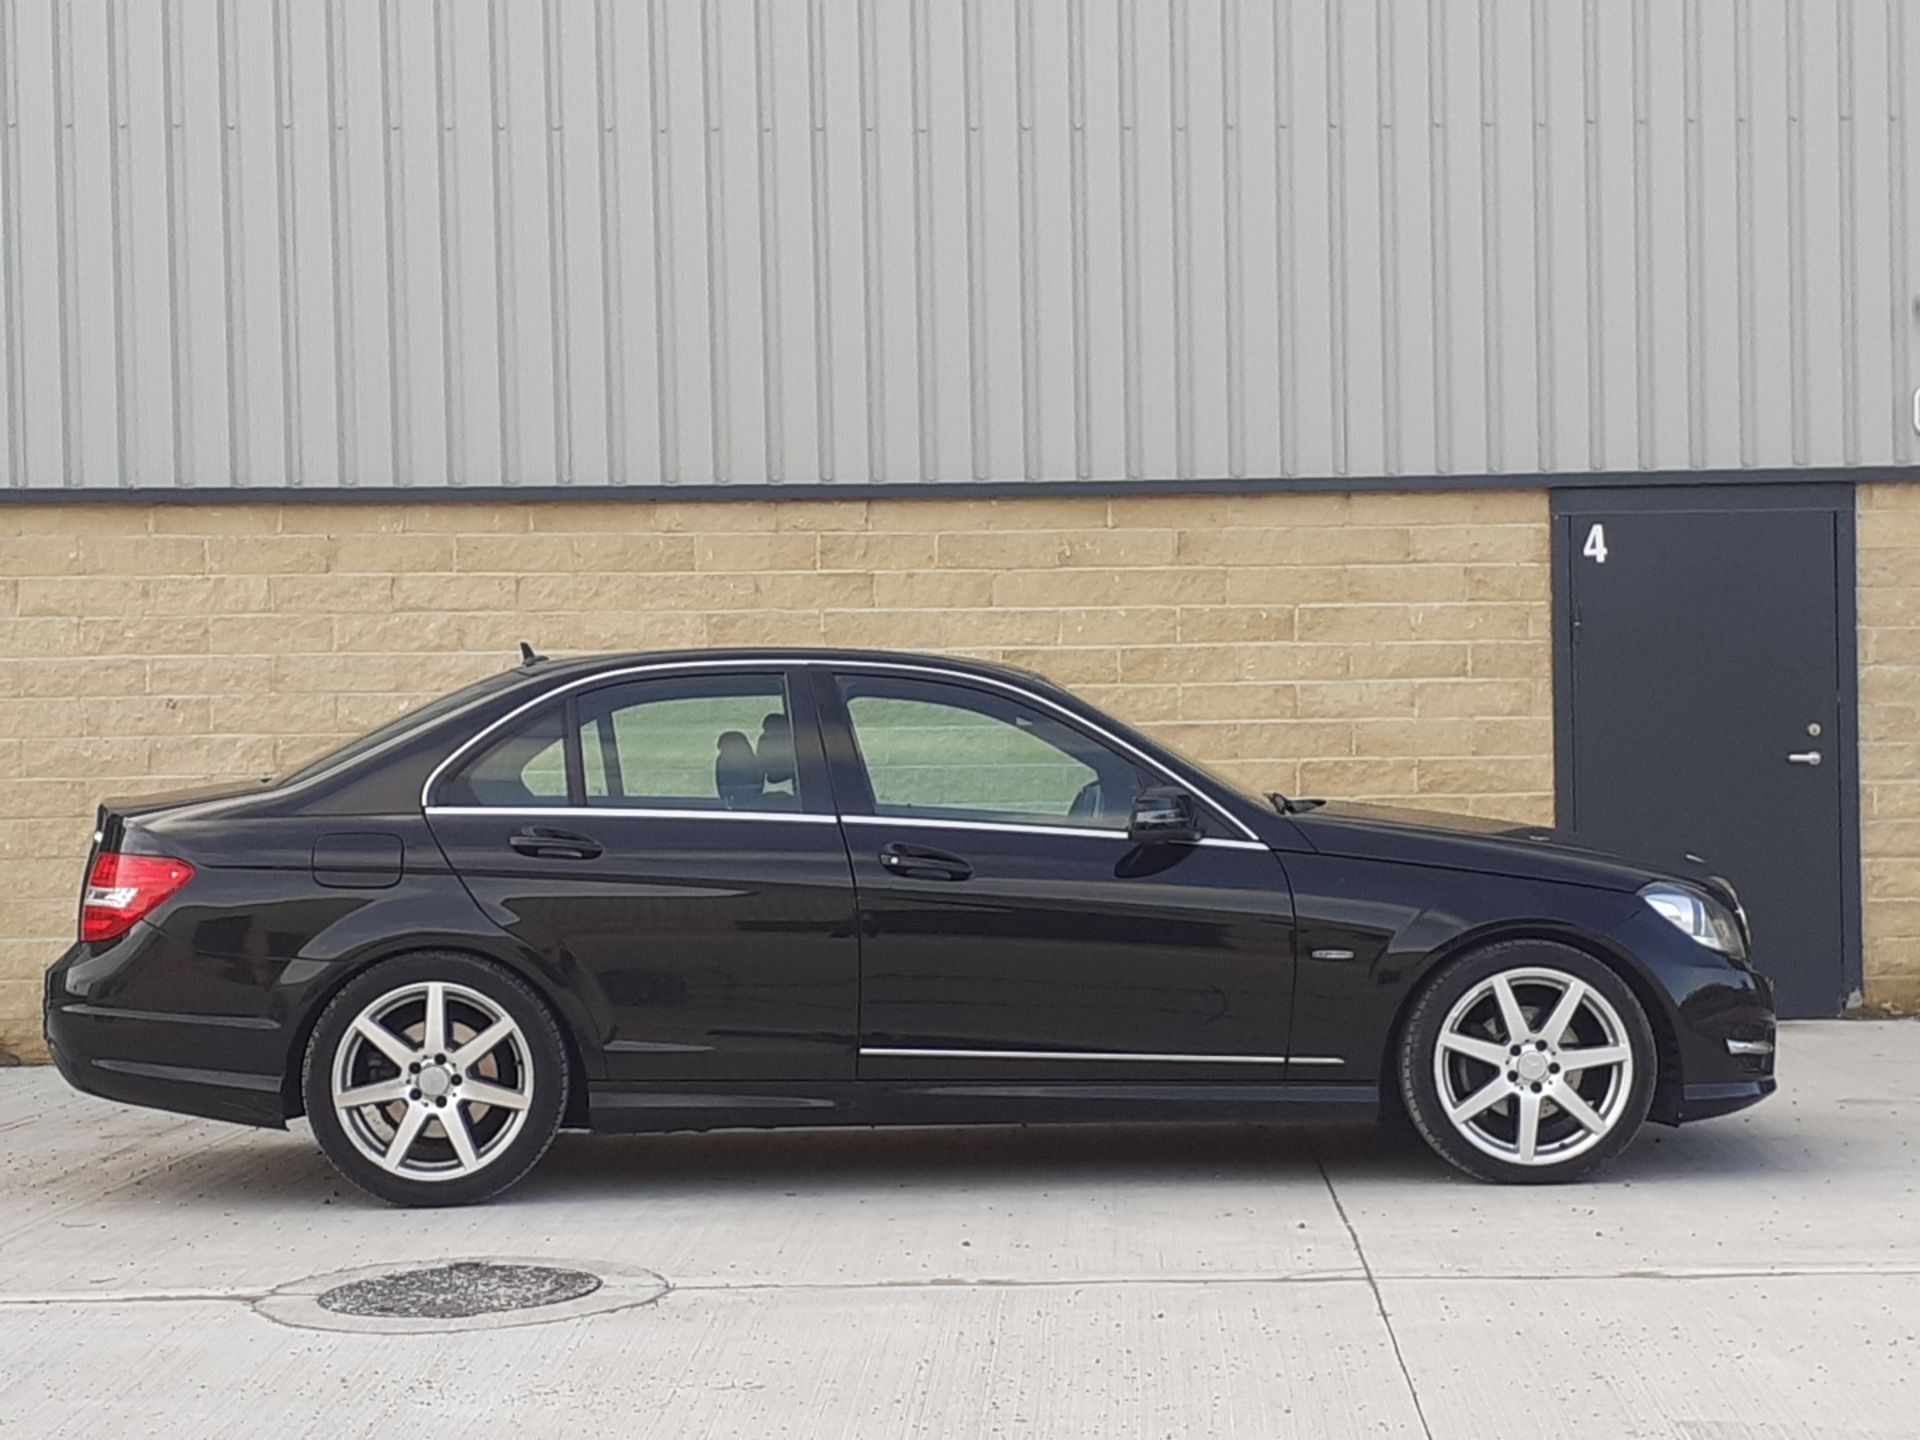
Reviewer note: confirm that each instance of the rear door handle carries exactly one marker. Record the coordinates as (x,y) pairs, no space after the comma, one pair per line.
(551,844)
(916,862)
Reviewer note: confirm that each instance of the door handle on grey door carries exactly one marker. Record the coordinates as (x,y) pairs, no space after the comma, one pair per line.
(1804,757)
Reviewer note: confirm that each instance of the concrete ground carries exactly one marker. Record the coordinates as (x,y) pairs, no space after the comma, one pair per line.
(1758,1276)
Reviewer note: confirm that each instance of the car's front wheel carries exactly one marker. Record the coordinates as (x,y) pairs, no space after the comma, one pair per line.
(1527,1062)
(435,1079)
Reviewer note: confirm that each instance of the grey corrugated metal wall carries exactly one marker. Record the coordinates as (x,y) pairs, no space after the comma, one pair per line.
(347,242)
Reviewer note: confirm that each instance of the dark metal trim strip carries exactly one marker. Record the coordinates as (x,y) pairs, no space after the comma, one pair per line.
(946,489)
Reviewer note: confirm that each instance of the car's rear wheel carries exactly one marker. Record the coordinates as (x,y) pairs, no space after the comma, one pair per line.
(435,1079)
(1528,1062)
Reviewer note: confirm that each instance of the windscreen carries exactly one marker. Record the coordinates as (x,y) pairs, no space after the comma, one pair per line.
(421,715)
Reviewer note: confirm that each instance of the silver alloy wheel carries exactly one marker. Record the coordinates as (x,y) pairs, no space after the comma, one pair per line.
(432,1081)
(1533,1066)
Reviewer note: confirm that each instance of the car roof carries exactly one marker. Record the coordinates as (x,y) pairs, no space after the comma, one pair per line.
(575,666)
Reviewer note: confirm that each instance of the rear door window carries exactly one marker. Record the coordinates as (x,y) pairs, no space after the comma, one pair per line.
(695,742)
(689,742)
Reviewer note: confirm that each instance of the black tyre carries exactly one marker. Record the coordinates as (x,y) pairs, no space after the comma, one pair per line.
(435,1079)
(1527,1062)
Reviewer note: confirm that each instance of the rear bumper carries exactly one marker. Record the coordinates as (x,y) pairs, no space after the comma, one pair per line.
(163,1059)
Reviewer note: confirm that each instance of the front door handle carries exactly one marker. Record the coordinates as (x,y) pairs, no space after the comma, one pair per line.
(550,844)
(1804,757)
(916,862)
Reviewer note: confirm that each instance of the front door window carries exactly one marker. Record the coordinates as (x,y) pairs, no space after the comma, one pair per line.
(936,751)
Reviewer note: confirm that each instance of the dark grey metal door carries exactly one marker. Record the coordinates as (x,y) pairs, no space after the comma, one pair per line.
(1705,709)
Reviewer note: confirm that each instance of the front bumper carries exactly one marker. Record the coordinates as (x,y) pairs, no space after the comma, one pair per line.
(1703,1102)
(1718,1056)
(113,1037)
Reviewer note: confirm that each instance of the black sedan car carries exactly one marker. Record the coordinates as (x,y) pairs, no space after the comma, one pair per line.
(726,889)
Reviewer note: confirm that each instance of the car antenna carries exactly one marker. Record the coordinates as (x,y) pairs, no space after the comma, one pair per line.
(528,655)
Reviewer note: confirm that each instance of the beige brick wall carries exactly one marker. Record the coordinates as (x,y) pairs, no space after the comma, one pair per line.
(1888,536)
(1384,646)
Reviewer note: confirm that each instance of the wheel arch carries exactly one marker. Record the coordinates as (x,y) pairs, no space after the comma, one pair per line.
(1632,973)
(292,1086)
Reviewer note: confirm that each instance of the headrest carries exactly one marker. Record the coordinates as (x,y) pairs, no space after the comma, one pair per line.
(775,750)
(737,775)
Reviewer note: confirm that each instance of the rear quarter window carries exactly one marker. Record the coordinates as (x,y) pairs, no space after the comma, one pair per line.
(526,766)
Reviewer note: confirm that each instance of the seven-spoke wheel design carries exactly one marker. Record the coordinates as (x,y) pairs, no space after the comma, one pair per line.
(1527,1061)
(1533,1066)
(432,1081)
(435,1079)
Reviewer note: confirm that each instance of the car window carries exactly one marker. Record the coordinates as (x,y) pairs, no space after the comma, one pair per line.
(414,719)
(712,742)
(527,766)
(952,752)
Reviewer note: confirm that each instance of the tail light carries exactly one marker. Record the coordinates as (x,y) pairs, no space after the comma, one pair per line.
(124,889)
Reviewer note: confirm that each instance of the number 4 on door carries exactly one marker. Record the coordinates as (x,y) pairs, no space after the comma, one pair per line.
(1596,546)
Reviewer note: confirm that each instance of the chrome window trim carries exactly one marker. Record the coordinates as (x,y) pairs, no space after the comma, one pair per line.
(779,663)
(570,812)
(1090,832)
(805,817)
(1015,827)
(896,1052)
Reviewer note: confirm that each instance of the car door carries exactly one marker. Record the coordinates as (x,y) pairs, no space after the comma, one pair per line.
(669,838)
(1009,926)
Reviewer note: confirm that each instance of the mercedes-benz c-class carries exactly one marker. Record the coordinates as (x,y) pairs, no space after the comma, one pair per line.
(776,888)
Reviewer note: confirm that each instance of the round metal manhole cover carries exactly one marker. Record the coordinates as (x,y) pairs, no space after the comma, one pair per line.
(467,1294)
(458,1291)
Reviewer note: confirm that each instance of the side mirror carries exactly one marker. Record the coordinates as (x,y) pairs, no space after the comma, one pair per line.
(1163,815)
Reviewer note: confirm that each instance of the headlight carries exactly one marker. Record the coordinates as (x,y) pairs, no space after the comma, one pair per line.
(1699,916)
